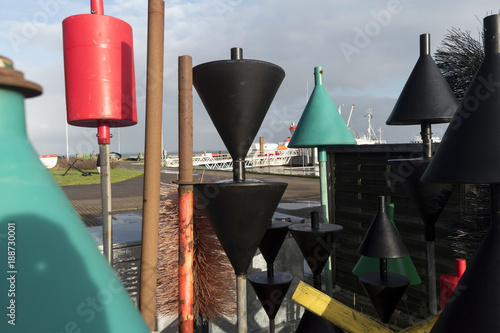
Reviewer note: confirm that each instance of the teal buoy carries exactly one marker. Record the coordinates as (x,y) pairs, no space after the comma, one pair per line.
(54,279)
(319,126)
(403,266)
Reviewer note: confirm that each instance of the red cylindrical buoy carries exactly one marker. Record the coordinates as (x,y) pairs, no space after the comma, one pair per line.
(100,87)
(450,281)
(99,71)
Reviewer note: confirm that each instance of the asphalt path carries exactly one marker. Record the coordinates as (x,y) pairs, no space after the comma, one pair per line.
(127,195)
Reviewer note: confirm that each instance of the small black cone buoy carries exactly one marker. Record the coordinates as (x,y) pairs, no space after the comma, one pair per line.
(270,286)
(316,241)
(383,241)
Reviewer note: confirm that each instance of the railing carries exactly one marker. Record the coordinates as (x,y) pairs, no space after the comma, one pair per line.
(224,161)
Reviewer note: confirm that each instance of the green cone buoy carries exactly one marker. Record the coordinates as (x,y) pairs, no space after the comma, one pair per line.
(320,124)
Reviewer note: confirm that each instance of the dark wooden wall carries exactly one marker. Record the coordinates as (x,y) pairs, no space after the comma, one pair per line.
(358,175)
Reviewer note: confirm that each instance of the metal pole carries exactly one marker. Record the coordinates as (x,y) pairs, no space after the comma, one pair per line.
(186,287)
(323,185)
(431,271)
(103,139)
(67,144)
(241,295)
(426,135)
(107,227)
(152,162)
(383,269)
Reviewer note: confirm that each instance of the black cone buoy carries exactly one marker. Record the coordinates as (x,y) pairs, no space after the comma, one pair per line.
(316,245)
(271,290)
(426,96)
(384,294)
(240,212)
(273,240)
(316,242)
(237,94)
(383,241)
(270,286)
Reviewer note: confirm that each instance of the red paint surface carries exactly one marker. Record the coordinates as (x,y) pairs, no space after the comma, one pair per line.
(186,282)
(448,282)
(99,70)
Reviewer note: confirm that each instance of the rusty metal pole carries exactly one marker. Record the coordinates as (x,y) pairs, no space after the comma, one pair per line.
(152,162)
(186,287)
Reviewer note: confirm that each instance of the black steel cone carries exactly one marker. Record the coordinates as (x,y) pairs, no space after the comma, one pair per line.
(469,151)
(271,243)
(384,294)
(312,323)
(271,290)
(426,96)
(316,244)
(240,213)
(237,94)
(429,198)
(382,239)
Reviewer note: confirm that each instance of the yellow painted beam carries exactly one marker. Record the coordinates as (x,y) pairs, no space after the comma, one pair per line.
(342,316)
(423,327)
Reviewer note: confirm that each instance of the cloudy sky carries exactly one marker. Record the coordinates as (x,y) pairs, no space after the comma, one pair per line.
(367,50)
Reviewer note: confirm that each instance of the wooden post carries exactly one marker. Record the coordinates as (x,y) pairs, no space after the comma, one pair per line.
(152,162)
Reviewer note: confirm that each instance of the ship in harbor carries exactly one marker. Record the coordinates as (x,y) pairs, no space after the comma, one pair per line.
(371,137)
(267,154)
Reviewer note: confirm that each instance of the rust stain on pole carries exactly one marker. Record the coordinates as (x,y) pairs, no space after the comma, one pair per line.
(186,282)
(152,162)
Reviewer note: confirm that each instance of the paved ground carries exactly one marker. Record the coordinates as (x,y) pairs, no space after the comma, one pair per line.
(127,195)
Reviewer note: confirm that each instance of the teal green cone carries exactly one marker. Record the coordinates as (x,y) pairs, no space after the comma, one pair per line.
(54,279)
(403,266)
(320,124)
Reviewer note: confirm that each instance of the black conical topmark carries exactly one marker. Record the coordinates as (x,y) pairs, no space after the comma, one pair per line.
(237,94)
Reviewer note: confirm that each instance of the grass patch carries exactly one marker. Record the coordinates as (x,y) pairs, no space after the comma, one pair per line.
(74,177)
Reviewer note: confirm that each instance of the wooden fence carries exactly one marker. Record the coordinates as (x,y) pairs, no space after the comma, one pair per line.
(358,175)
